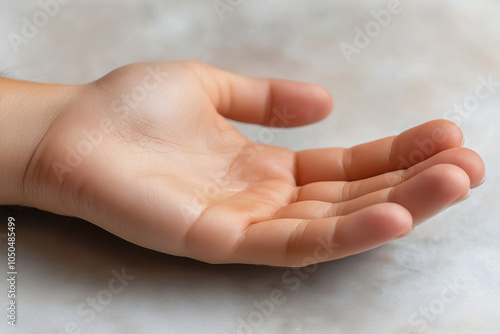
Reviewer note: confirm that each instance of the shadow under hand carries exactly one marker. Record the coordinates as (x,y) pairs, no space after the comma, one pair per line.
(68,260)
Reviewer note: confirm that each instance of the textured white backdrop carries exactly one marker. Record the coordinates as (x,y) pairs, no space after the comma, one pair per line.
(429,57)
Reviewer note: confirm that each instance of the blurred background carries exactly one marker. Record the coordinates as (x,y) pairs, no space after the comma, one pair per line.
(390,65)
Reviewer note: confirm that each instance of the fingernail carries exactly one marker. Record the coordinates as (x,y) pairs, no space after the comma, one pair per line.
(404,234)
(415,225)
(463,141)
(462,199)
(468,195)
(481,182)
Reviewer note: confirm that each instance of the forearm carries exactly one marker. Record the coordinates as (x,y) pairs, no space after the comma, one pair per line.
(27,110)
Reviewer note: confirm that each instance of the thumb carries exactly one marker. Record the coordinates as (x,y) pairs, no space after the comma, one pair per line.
(272,102)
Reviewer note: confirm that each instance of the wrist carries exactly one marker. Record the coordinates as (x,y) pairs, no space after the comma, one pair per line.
(27,110)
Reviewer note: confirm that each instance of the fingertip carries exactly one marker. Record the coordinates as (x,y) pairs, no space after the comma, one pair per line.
(389,220)
(321,105)
(373,226)
(431,191)
(304,103)
(483,180)
(423,141)
(449,181)
(324,98)
(447,132)
(473,165)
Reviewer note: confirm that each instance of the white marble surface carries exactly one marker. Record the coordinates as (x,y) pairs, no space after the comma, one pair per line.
(444,278)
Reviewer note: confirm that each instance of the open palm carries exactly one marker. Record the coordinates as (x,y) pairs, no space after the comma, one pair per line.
(146,153)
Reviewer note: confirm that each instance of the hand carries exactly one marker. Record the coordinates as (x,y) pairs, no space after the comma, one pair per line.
(146,153)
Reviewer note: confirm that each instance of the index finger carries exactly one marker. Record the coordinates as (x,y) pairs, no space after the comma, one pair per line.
(381,156)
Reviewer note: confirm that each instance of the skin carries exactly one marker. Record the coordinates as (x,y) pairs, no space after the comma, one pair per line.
(153,159)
